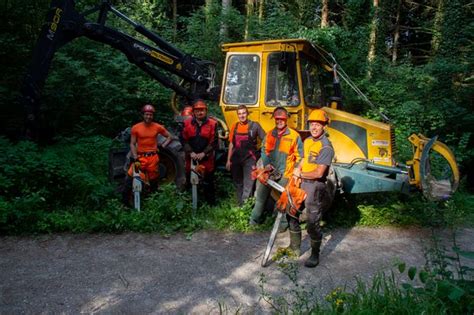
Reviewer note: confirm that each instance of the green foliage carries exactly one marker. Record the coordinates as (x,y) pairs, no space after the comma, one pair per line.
(294,298)
(163,215)
(228,216)
(36,181)
(104,105)
(432,97)
(393,209)
(272,27)
(444,286)
(92,90)
(203,29)
(446,283)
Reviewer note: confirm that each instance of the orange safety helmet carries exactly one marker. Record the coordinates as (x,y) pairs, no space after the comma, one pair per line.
(199,104)
(318,115)
(187,111)
(280,113)
(148,109)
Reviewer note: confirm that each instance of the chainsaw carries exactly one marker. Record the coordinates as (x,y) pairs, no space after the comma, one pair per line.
(273,235)
(265,177)
(137,185)
(194,179)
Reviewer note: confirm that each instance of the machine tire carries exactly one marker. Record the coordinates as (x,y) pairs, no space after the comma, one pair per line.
(172,165)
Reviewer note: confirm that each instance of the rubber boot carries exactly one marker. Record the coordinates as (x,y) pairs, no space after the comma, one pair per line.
(313,260)
(284,225)
(295,242)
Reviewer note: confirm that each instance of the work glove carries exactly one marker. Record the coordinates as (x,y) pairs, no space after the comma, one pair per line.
(269,168)
(136,163)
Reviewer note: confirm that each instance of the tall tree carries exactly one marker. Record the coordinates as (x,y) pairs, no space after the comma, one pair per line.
(250,7)
(261,9)
(437,26)
(175,19)
(325,13)
(373,36)
(396,33)
(373,32)
(226,5)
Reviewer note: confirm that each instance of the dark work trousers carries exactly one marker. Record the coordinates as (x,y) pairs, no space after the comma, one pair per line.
(314,196)
(241,175)
(126,190)
(209,188)
(206,188)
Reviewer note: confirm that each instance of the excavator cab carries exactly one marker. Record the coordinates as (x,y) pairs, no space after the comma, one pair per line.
(294,74)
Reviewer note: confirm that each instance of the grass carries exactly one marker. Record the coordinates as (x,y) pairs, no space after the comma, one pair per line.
(40,193)
(172,214)
(443,286)
(393,209)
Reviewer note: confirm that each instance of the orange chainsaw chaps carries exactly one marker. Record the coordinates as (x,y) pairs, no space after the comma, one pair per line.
(282,203)
(297,194)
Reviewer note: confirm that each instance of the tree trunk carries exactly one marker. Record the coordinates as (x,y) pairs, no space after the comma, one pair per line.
(373,38)
(373,32)
(396,33)
(261,9)
(325,13)
(226,5)
(437,26)
(175,19)
(250,10)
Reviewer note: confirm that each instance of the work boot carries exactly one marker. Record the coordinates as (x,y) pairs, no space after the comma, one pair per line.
(284,225)
(313,260)
(295,242)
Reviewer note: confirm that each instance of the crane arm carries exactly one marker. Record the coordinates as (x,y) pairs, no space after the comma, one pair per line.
(158,60)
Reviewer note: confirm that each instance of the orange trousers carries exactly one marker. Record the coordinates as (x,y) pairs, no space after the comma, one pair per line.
(148,167)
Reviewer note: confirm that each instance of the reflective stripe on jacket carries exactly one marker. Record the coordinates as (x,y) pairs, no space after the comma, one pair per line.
(282,152)
(200,138)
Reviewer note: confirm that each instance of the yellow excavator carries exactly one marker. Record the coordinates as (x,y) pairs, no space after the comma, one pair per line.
(262,75)
(294,73)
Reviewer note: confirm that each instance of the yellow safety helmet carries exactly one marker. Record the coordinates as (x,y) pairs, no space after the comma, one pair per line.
(319,115)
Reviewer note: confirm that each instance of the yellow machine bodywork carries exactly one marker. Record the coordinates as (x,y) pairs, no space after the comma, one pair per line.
(353,136)
(265,74)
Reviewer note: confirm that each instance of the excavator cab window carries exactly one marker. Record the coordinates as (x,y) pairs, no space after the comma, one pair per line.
(282,80)
(313,95)
(242,79)
(327,90)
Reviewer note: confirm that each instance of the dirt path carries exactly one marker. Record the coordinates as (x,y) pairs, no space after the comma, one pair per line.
(141,273)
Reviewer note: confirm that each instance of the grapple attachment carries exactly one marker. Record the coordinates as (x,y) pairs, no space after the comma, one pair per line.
(433,168)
